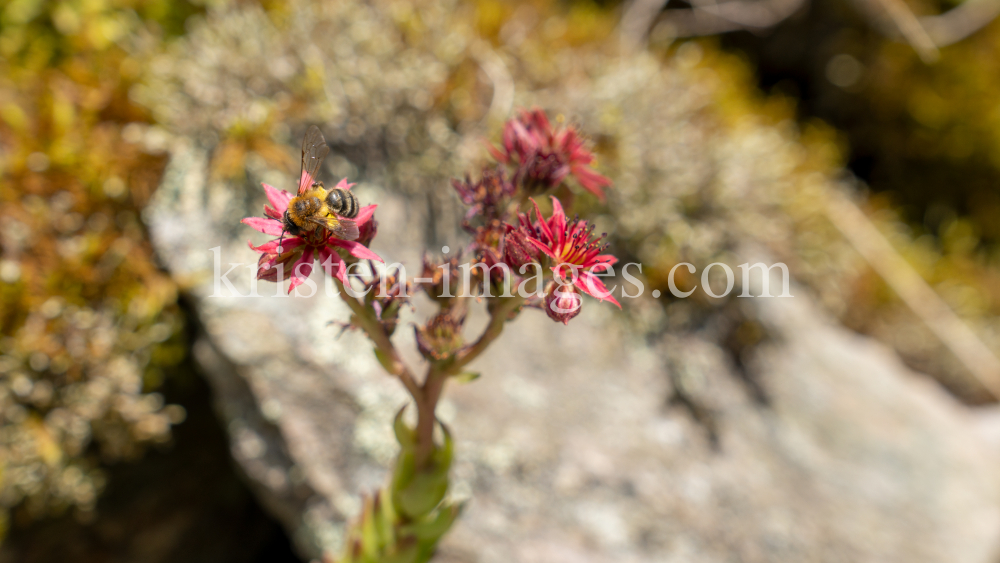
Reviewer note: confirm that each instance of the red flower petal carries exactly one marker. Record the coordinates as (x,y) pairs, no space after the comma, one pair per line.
(542,223)
(541,120)
(278,198)
(356,249)
(499,156)
(365,214)
(272,245)
(269,265)
(558,223)
(603,259)
(267,272)
(594,287)
(301,270)
(590,180)
(544,248)
(343,185)
(332,264)
(529,142)
(272,212)
(564,142)
(264,225)
(509,138)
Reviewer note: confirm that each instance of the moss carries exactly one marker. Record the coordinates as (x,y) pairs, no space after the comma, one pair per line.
(85,314)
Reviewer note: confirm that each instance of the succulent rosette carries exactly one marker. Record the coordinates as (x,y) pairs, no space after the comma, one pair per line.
(293,256)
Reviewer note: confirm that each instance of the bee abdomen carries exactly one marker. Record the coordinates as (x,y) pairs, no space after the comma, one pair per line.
(343,203)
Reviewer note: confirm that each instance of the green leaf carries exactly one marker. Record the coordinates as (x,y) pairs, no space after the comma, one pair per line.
(443,455)
(431,530)
(384,360)
(407,553)
(466,376)
(404,435)
(385,519)
(415,493)
(369,533)
(403,474)
(423,493)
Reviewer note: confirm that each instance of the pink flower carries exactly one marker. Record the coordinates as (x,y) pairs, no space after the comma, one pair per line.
(545,156)
(296,254)
(573,251)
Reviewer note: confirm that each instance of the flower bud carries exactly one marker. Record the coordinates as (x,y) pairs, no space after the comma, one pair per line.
(386,294)
(518,250)
(441,338)
(487,197)
(445,279)
(562,302)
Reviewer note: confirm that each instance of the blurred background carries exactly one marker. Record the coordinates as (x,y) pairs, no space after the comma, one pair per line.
(110,447)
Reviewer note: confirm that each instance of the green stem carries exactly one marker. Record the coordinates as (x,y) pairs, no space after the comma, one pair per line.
(438,373)
(426,396)
(373,328)
(497,321)
(432,389)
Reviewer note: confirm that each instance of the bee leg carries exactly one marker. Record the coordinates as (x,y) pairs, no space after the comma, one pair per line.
(280,239)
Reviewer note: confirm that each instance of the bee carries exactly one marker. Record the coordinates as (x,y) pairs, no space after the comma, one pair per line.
(314,206)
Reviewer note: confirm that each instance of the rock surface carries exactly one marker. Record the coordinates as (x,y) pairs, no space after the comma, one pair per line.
(618,438)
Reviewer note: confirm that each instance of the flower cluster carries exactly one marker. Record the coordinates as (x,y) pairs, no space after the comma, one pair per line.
(543,158)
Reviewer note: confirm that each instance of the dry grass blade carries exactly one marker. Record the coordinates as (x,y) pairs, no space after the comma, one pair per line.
(911,29)
(960,22)
(953,332)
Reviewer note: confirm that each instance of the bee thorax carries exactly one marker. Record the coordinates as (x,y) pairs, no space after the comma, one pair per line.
(300,209)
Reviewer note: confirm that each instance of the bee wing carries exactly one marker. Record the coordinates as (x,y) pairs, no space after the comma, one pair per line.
(314,150)
(344,229)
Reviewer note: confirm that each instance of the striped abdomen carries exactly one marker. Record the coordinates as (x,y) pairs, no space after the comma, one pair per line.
(343,203)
